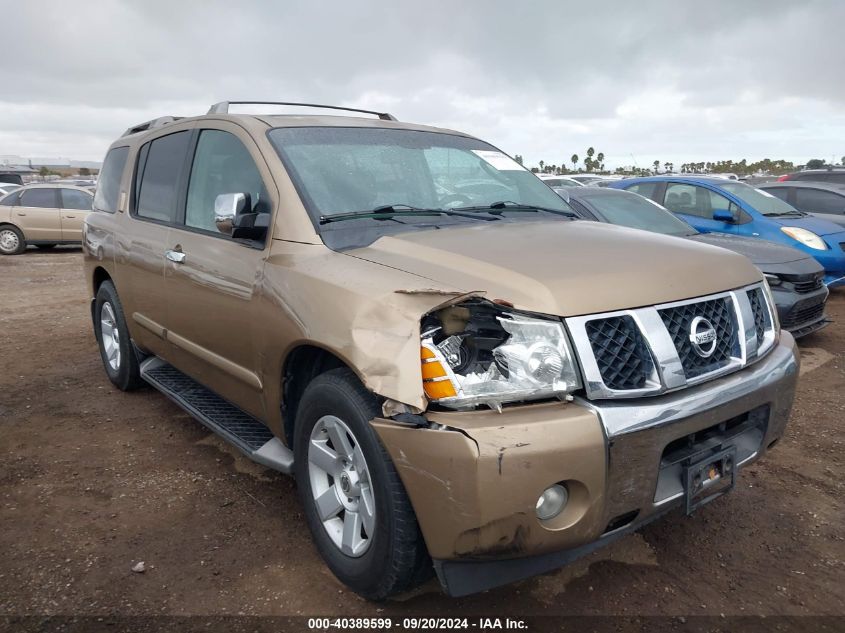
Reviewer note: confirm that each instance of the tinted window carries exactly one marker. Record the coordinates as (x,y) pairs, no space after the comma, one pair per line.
(108,186)
(160,170)
(762,201)
(694,200)
(779,192)
(44,198)
(818,201)
(221,165)
(11,200)
(75,199)
(646,189)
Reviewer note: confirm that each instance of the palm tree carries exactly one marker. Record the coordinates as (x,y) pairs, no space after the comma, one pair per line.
(541,167)
(656,166)
(574,159)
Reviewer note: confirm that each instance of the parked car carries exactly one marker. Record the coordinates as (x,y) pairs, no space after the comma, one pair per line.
(714,204)
(825,200)
(8,187)
(794,276)
(559,181)
(828,174)
(42,216)
(484,388)
(584,179)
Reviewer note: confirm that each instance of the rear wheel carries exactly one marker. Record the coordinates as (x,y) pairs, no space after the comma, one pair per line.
(12,241)
(355,504)
(116,348)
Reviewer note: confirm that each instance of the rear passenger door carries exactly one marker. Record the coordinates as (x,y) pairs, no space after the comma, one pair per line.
(75,206)
(38,215)
(212,290)
(156,198)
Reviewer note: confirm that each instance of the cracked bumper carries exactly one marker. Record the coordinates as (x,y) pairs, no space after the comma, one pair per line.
(474,483)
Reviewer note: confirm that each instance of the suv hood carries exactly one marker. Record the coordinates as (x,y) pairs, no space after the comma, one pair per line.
(769,257)
(560,267)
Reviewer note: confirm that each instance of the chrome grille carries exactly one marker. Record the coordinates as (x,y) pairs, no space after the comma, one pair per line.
(651,350)
(758,308)
(719,312)
(620,351)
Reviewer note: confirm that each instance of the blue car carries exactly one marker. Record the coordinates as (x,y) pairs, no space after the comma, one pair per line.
(718,205)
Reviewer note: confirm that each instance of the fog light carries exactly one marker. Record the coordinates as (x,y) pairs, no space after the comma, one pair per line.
(551,502)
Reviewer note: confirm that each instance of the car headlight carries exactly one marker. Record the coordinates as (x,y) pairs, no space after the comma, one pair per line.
(772,279)
(807,238)
(477,353)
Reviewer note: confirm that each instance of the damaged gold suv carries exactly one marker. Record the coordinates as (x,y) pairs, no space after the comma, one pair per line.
(462,378)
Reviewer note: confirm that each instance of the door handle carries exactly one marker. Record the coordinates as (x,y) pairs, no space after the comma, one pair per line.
(21,214)
(177,257)
(70,217)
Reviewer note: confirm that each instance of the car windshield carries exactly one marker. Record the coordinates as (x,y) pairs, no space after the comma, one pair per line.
(762,201)
(634,211)
(339,170)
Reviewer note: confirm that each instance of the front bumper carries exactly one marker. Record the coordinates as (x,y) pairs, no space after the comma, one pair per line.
(474,477)
(800,313)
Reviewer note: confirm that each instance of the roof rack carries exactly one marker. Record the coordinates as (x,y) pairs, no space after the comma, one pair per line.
(149,125)
(223,107)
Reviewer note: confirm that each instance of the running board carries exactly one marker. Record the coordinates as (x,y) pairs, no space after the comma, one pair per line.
(234,425)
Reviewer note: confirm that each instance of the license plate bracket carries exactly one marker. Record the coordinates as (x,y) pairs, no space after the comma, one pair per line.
(709,478)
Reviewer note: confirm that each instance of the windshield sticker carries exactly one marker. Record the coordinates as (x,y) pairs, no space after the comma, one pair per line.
(498,160)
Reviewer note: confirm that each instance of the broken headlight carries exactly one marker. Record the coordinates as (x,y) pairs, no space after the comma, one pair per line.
(478,353)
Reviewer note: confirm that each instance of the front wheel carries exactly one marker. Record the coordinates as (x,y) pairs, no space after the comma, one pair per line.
(355,504)
(116,348)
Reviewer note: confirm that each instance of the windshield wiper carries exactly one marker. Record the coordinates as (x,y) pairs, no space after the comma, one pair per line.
(389,211)
(498,208)
(784,214)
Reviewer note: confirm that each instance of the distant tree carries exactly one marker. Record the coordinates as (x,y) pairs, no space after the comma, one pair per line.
(600,159)
(43,172)
(815,163)
(84,171)
(588,162)
(656,165)
(517,158)
(542,171)
(842,161)
(574,159)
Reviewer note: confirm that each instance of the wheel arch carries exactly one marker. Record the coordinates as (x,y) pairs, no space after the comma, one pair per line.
(98,276)
(301,365)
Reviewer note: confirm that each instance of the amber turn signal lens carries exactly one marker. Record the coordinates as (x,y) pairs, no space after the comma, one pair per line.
(437,389)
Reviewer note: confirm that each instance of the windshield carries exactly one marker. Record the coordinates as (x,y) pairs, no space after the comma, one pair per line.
(639,213)
(762,201)
(346,170)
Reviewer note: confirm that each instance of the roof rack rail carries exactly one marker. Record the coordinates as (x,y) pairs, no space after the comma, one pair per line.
(223,107)
(149,125)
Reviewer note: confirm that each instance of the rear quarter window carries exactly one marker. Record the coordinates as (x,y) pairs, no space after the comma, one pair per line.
(160,169)
(108,185)
(646,189)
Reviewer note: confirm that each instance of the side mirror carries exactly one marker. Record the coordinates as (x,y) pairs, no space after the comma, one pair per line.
(227,207)
(723,215)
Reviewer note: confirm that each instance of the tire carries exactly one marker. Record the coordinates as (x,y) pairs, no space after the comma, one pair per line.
(391,556)
(12,241)
(45,247)
(116,349)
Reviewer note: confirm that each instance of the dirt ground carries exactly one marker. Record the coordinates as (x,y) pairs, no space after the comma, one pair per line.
(93,480)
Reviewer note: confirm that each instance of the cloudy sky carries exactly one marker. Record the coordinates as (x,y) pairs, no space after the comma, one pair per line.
(639,81)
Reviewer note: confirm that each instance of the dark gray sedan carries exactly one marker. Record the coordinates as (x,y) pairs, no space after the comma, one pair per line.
(795,277)
(823,199)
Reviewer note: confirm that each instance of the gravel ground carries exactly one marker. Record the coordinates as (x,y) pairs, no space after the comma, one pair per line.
(95,481)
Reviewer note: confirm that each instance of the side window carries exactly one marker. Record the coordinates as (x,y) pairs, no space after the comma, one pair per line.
(12,200)
(695,200)
(43,198)
(779,192)
(646,189)
(108,184)
(221,165)
(816,200)
(75,199)
(159,174)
